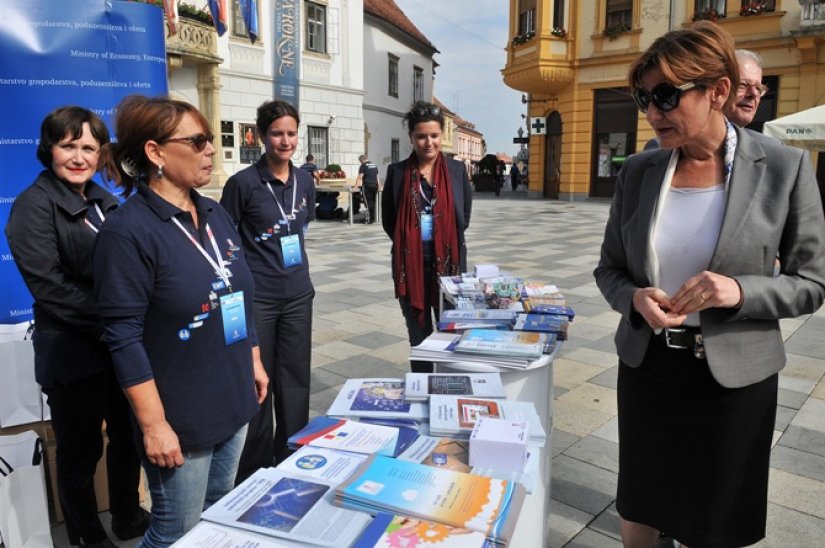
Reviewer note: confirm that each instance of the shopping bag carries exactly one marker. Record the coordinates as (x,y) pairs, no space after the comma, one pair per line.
(24,514)
(21,401)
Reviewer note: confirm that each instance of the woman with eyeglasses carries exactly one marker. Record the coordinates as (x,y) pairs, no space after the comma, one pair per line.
(51,232)
(687,260)
(175,295)
(271,203)
(425,209)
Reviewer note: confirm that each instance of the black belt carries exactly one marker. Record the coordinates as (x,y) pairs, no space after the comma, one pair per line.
(684,338)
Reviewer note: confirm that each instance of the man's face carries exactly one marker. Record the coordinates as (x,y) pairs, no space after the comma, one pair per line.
(748,95)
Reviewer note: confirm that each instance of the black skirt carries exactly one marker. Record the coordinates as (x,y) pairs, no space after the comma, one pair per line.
(693,455)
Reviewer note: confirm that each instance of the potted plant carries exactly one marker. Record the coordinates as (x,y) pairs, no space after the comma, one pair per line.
(559,31)
(753,8)
(614,29)
(519,39)
(333,171)
(709,14)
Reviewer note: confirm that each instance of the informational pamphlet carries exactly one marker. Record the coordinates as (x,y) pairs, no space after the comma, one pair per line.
(353,436)
(376,398)
(456,415)
(391,531)
(320,463)
(487,505)
(214,535)
(503,343)
(420,386)
(294,508)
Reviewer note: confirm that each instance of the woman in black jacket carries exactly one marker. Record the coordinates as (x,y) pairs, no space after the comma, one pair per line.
(51,233)
(425,209)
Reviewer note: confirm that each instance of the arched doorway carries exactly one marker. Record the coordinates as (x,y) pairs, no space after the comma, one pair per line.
(552,157)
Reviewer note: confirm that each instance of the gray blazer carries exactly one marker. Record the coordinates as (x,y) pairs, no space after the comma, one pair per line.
(773,208)
(462,201)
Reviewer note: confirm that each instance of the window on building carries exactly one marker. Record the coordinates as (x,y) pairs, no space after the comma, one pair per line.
(527,17)
(710,9)
(758,6)
(395,151)
(238,25)
(393,75)
(558,14)
(316,17)
(418,84)
(319,145)
(618,15)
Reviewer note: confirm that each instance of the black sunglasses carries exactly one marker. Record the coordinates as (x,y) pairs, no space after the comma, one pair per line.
(665,96)
(432,110)
(197,141)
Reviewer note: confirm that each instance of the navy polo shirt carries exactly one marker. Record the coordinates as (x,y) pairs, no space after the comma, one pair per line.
(259,221)
(160,303)
(370,172)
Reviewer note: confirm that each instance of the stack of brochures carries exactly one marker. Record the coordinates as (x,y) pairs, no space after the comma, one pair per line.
(459,320)
(392,531)
(533,307)
(421,386)
(376,399)
(543,323)
(354,436)
(442,348)
(487,505)
(455,416)
(513,344)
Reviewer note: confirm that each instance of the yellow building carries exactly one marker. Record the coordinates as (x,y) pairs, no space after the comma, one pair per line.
(571,61)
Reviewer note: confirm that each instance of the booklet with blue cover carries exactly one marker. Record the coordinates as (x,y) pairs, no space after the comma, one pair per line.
(354,436)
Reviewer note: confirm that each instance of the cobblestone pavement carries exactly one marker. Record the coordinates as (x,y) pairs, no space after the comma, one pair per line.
(358,331)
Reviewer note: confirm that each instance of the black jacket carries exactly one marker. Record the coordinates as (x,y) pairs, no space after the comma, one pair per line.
(462,199)
(52,246)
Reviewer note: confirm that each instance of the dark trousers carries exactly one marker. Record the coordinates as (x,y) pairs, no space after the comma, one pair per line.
(417,332)
(78,410)
(285,341)
(370,191)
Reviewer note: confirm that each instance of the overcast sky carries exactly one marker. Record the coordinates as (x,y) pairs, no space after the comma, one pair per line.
(471,36)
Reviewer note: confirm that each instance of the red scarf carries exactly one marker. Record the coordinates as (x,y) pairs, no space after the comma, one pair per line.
(408,258)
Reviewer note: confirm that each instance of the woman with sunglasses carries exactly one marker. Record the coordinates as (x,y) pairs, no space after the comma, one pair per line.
(687,260)
(271,203)
(51,232)
(175,295)
(425,209)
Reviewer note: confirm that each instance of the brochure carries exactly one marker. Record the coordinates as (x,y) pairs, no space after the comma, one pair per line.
(503,343)
(487,505)
(543,323)
(214,535)
(391,531)
(299,509)
(320,463)
(376,398)
(421,385)
(353,436)
(456,415)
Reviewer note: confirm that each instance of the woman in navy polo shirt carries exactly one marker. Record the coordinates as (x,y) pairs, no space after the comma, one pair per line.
(175,296)
(271,203)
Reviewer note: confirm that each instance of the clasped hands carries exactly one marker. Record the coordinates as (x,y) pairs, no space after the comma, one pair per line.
(703,291)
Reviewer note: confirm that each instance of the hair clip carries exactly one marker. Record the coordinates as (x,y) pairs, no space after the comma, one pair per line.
(129,167)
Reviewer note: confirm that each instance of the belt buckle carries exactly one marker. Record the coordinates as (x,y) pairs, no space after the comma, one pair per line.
(668,331)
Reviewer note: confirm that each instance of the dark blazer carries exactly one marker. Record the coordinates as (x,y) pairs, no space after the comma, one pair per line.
(52,246)
(462,198)
(773,208)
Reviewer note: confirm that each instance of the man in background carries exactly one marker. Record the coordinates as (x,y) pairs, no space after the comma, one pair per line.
(312,168)
(751,89)
(368,181)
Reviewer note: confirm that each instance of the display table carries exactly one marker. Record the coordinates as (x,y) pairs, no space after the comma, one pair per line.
(342,185)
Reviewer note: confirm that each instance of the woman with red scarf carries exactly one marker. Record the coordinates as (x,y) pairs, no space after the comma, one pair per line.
(425,207)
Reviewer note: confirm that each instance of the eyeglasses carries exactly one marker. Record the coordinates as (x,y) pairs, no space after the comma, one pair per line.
(745,85)
(197,141)
(665,96)
(432,110)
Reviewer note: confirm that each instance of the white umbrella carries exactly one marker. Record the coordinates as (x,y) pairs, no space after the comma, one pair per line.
(804,129)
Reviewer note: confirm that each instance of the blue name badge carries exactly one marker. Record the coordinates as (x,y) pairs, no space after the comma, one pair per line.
(426,227)
(291,248)
(233,314)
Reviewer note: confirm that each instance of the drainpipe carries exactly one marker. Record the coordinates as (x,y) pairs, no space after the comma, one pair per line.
(672,9)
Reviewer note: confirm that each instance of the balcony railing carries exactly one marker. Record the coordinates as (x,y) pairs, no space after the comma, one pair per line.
(813,13)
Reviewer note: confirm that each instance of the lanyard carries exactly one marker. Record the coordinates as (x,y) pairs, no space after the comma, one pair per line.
(424,196)
(219,270)
(99,214)
(280,207)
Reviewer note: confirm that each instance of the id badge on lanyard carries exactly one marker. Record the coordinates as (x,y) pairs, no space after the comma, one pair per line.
(426,218)
(290,244)
(233,313)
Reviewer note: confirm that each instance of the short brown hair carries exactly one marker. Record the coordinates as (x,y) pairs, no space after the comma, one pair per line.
(270,111)
(702,54)
(140,119)
(65,121)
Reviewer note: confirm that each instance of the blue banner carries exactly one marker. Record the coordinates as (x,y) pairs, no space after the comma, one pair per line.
(287,57)
(90,53)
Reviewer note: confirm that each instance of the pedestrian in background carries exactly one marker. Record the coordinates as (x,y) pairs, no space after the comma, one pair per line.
(425,209)
(51,232)
(687,260)
(175,296)
(749,92)
(368,181)
(310,167)
(272,203)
